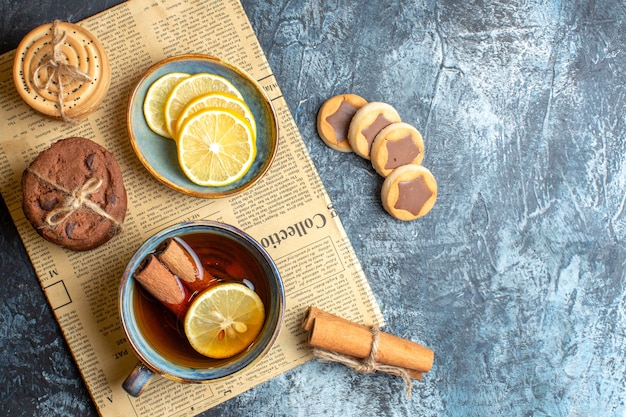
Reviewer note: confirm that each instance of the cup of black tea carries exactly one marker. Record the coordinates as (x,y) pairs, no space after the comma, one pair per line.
(170,298)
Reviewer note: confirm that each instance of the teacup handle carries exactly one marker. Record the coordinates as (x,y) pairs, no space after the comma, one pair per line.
(137,380)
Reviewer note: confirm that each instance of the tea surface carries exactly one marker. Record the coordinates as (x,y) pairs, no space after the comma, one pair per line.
(228,261)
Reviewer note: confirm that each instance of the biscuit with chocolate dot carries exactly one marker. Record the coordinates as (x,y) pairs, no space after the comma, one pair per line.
(367,122)
(334,117)
(409,192)
(396,145)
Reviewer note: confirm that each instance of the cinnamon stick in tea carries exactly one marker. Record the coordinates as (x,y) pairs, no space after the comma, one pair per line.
(184,263)
(332,333)
(155,278)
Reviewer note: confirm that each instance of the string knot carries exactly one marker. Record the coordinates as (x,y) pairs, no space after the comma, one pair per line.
(369,364)
(75,200)
(57,71)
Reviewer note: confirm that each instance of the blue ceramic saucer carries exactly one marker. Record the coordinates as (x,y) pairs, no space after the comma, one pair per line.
(158,154)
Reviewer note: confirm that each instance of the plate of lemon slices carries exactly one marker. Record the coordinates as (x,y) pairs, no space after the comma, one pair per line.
(202,126)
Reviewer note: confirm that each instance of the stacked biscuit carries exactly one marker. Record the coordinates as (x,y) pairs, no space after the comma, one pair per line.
(73,193)
(375,131)
(62,71)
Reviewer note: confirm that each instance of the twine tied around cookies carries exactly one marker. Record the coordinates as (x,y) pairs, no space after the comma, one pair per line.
(57,70)
(365,349)
(368,365)
(75,199)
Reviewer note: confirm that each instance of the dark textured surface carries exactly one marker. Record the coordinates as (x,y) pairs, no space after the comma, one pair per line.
(515,279)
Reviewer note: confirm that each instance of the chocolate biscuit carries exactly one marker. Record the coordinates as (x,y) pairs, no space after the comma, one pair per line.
(74,195)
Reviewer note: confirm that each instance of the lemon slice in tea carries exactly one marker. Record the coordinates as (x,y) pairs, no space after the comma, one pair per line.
(154,103)
(216,99)
(190,88)
(216,147)
(224,320)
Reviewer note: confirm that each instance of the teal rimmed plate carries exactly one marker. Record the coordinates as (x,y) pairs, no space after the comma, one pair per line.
(158,154)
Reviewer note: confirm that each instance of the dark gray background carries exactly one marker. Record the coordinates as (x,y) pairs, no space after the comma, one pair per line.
(515,279)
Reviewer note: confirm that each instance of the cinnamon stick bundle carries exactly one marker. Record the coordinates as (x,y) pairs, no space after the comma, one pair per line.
(336,334)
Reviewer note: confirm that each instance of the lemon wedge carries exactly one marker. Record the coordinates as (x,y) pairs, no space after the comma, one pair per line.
(155,99)
(224,320)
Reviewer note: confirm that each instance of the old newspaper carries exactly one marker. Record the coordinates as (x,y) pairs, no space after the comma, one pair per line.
(288,211)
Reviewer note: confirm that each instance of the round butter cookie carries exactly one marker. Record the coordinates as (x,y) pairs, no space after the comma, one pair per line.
(62,71)
(334,117)
(367,122)
(73,194)
(396,145)
(409,192)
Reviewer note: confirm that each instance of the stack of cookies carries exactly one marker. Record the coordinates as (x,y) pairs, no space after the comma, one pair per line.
(62,71)
(73,194)
(375,131)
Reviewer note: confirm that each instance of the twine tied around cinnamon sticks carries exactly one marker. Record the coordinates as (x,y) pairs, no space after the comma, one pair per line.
(75,199)
(367,365)
(57,70)
(365,349)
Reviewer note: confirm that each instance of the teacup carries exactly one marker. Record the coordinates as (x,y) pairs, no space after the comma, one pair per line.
(154,334)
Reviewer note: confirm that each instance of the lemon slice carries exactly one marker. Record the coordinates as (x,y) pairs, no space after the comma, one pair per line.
(154,103)
(216,99)
(190,88)
(224,320)
(216,147)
